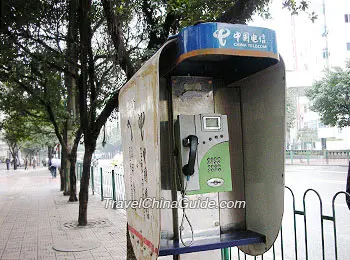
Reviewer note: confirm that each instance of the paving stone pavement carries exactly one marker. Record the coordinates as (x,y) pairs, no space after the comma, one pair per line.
(33,214)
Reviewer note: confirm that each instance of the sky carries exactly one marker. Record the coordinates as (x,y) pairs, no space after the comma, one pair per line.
(300,41)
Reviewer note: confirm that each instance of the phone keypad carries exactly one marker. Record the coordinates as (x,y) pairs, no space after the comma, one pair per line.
(214,164)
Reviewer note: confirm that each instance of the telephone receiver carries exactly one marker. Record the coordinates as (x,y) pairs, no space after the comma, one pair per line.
(192,142)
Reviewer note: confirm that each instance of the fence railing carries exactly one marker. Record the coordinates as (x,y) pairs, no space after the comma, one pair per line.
(106,181)
(296,239)
(302,244)
(322,157)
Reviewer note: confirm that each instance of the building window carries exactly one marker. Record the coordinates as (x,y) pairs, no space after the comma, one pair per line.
(348,46)
(347,18)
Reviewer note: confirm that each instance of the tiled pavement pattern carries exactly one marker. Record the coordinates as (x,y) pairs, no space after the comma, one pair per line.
(32,214)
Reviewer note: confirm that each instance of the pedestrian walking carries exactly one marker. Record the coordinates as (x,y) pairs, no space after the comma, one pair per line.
(26,164)
(50,167)
(55,164)
(8,163)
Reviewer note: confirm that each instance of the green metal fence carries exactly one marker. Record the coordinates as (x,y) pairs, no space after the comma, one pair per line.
(79,170)
(318,157)
(299,245)
(108,182)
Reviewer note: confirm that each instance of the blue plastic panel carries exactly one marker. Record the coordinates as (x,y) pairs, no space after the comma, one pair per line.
(238,238)
(234,39)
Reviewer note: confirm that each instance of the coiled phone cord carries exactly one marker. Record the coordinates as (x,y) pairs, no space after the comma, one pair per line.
(184,215)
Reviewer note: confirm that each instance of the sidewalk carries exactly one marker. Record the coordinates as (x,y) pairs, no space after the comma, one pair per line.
(34,216)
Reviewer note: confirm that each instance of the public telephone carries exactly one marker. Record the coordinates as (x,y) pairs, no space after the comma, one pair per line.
(201,100)
(204,157)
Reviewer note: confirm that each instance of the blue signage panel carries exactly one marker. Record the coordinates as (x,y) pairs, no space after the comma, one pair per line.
(230,39)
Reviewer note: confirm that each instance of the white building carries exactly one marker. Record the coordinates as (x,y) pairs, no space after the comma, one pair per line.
(307,49)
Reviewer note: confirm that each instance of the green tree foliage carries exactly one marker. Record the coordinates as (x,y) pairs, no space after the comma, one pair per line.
(331,97)
(33,47)
(41,137)
(22,131)
(30,59)
(24,107)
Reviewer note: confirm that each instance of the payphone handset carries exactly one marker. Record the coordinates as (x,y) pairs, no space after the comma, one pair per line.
(204,156)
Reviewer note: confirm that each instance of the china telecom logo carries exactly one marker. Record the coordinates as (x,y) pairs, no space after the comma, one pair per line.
(221,35)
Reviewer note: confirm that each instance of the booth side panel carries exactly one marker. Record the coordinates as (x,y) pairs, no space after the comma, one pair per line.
(139,102)
(227,101)
(263,119)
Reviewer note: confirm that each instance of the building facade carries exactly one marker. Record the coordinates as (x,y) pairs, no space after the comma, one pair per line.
(308,48)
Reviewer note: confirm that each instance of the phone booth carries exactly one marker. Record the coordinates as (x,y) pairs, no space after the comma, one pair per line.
(203,124)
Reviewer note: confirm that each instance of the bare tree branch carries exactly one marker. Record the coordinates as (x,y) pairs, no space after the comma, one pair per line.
(115,31)
(111,104)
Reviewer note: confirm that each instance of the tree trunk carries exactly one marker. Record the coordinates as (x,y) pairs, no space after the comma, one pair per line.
(14,156)
(70,82)
(72,163)
(64,172)
(62,177)
(73,179)
(14,153)
(84,183)
(49,153)
(50,150)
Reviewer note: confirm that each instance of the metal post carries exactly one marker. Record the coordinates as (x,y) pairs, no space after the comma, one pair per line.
(78,171)
(92,181)
(333,218)
(295,212)
(226,253)
(282,251)
(101,179)
(113,186)
(308,157)
(321,222)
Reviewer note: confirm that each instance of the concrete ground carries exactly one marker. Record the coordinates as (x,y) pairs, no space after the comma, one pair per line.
(34,216)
